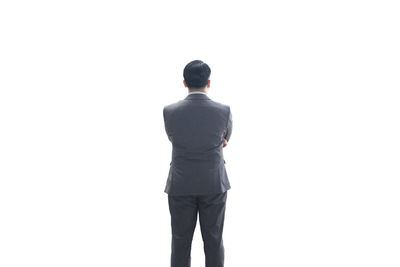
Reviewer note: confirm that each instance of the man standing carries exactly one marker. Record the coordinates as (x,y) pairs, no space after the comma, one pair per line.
(197,183)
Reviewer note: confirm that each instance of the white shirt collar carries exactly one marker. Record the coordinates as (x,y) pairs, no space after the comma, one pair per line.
(196,92)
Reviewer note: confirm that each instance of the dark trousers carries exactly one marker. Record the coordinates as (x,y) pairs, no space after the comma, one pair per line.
(184,209)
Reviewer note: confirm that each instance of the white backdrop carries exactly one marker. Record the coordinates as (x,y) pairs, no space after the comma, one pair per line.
(313,158)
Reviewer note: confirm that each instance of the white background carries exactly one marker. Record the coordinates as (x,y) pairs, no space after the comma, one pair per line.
(313,159)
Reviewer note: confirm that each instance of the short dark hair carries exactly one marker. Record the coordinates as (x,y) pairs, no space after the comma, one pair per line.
(196,74)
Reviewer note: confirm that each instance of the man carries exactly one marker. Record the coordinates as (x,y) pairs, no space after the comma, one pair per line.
(197,183)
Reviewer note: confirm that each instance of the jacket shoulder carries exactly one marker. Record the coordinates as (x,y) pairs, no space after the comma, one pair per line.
(172,106)
(168,109)
(222,106)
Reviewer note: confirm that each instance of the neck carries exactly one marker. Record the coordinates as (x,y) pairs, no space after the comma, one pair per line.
(203,91)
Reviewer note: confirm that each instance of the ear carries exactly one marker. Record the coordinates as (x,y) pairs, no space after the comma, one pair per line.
(184,83)
(208,84)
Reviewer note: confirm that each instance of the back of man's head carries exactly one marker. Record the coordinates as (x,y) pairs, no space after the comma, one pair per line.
(196,74)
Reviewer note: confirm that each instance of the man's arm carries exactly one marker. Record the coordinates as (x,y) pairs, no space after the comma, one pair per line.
(165,126)
(229,126)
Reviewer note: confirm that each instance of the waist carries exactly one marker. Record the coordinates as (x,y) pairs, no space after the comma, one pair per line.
(208,155)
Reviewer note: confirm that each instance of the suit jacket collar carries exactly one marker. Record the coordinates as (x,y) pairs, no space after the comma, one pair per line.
(197,97)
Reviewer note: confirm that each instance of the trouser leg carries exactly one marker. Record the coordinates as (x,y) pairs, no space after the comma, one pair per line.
(183,210)
(212,216)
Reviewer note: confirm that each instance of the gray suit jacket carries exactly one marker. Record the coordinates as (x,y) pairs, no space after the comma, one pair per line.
(197,127)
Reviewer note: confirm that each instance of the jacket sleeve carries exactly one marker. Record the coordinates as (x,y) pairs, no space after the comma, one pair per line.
(165,126)
(229,126)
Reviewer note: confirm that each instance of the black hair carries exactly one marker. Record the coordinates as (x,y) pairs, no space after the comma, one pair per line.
(196,74)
